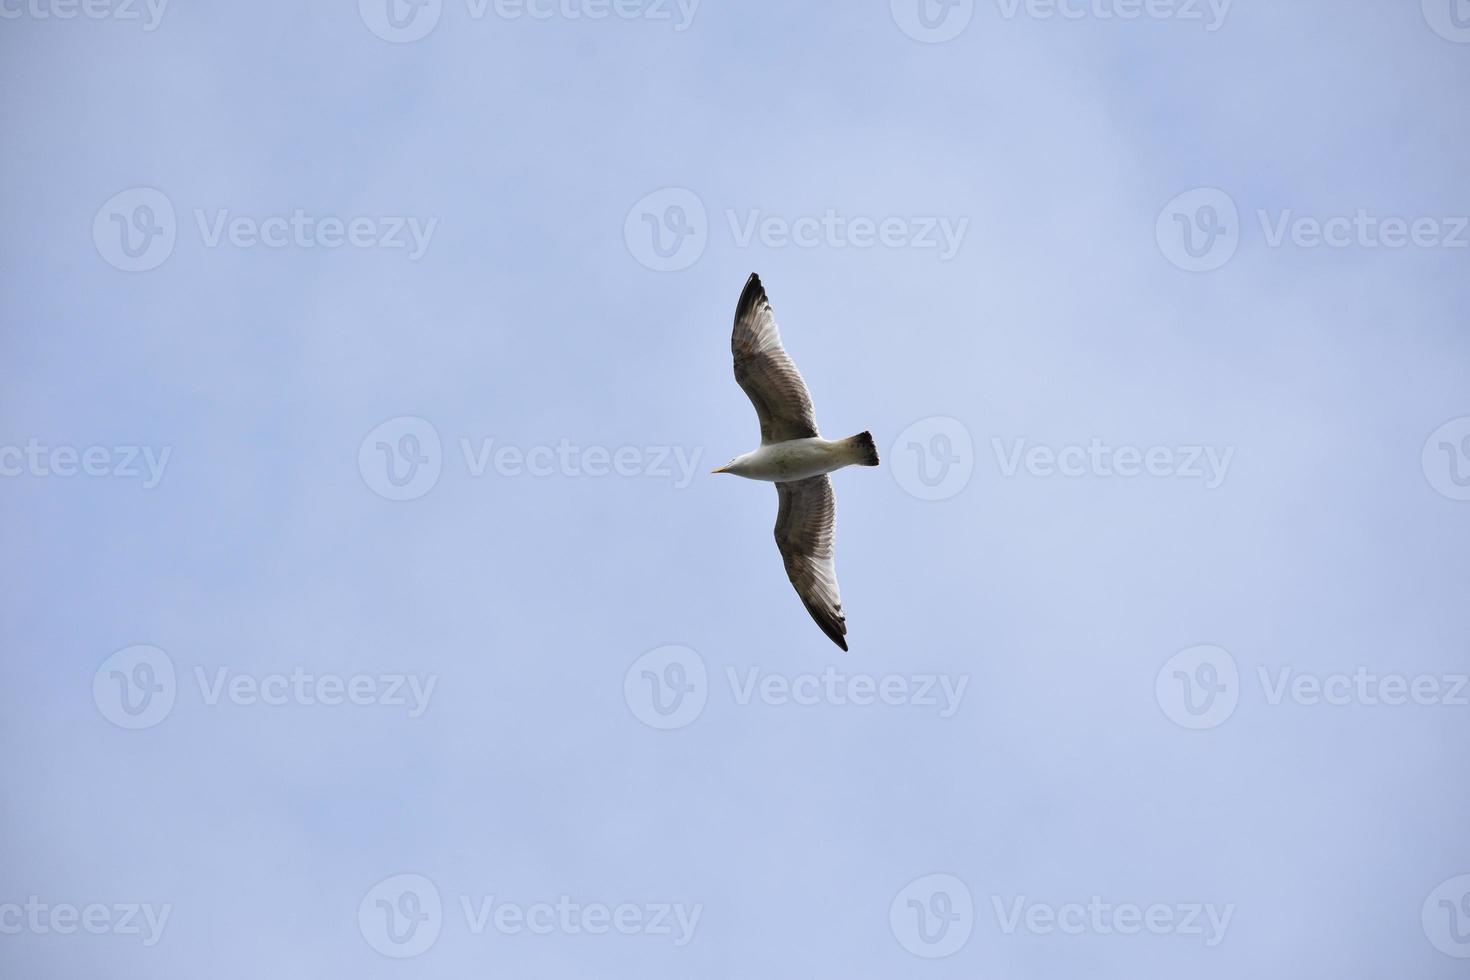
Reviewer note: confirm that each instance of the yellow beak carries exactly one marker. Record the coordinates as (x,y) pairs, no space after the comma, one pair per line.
(720,469)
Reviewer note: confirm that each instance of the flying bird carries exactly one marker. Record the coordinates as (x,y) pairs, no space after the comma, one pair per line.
(794,456)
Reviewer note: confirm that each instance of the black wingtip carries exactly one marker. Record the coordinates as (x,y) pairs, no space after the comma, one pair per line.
(750,297)
(836,632)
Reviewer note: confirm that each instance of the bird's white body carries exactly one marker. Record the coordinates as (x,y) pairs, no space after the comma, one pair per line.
(796,459)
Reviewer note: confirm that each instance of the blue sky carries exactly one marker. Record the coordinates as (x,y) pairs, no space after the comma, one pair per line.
(372,611)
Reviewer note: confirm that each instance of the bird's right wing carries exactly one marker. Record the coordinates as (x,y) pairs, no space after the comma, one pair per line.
(766,372)
(805,526)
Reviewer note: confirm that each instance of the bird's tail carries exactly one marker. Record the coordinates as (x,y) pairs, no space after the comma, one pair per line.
(861,447)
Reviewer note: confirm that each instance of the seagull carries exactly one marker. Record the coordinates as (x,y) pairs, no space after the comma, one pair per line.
(794,456)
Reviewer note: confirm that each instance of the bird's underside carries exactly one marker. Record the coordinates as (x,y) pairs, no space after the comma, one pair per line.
(806,518)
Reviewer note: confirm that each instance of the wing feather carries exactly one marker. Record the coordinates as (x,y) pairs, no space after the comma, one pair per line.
(805,526)
(766,371)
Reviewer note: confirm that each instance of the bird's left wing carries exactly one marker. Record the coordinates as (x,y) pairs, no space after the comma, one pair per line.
(766,371)
(805,526)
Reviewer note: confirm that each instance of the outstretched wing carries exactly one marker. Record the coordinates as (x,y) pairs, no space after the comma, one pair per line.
(805,526)
(766,372)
